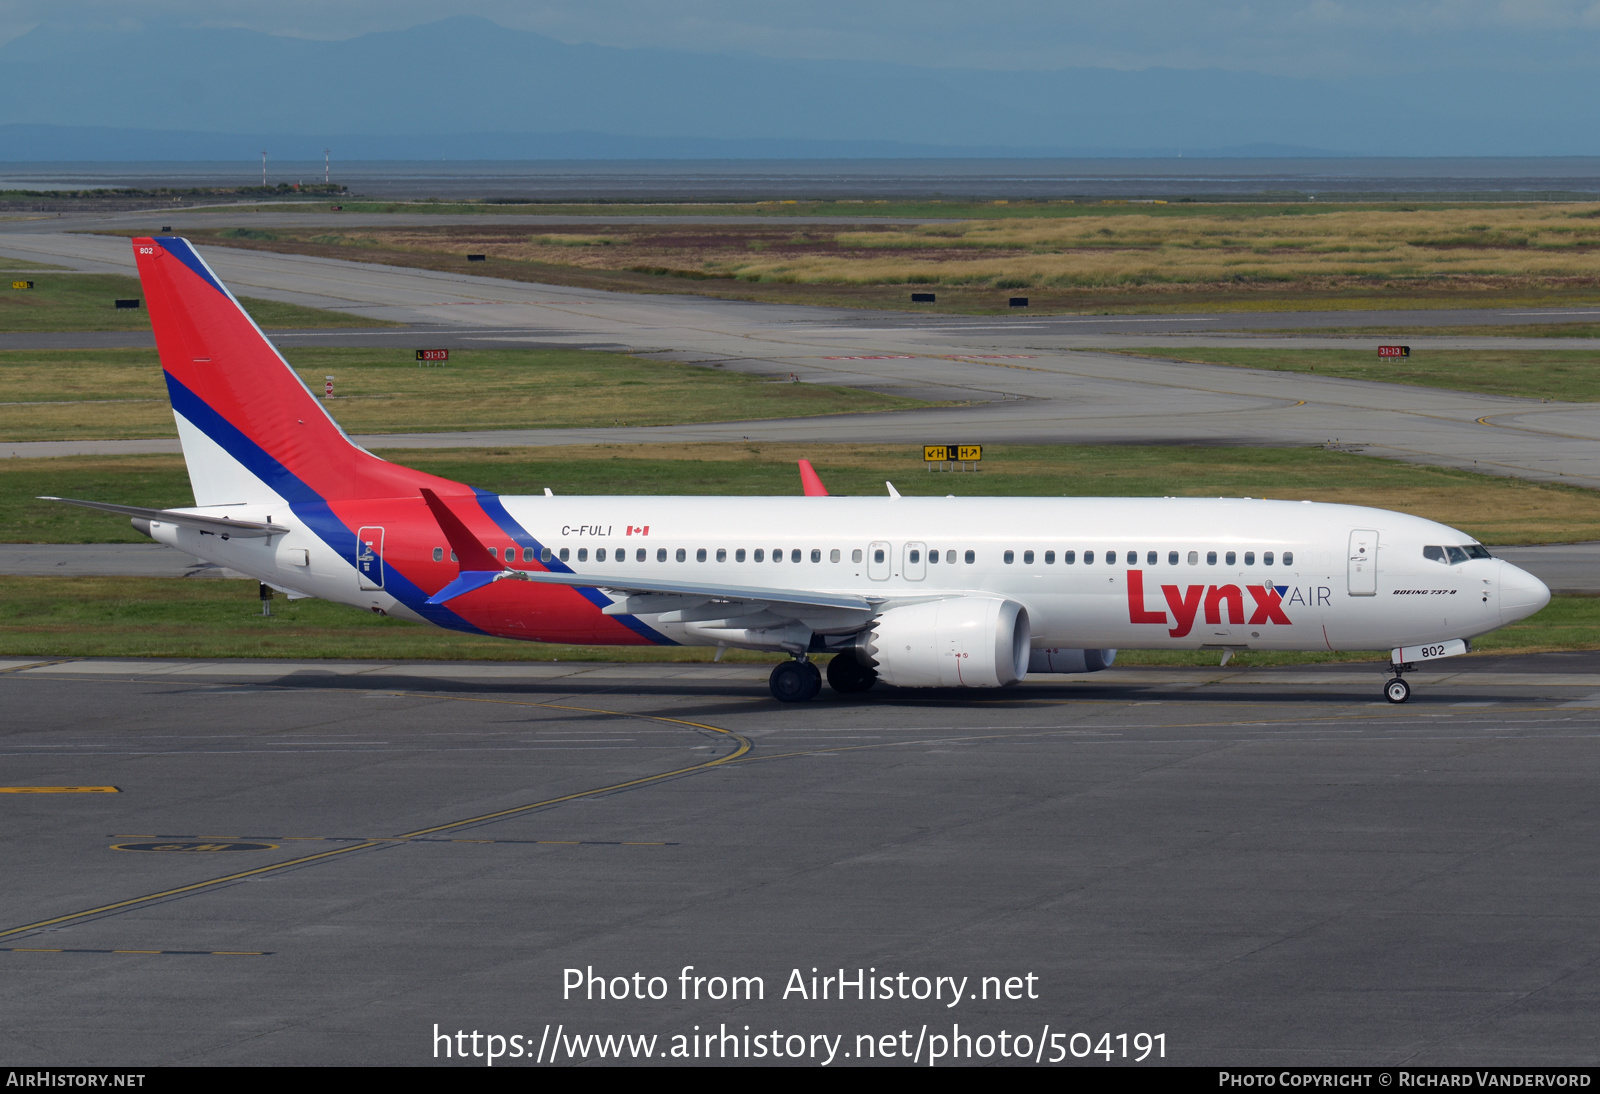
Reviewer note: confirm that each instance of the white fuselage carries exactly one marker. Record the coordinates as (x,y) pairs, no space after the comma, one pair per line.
(1175,573)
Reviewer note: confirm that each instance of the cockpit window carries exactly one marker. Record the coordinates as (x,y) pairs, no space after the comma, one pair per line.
(1435,554)
(1457,554)
(1477,550)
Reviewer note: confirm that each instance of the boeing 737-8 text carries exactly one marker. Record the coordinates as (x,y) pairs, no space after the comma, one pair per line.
(916,592)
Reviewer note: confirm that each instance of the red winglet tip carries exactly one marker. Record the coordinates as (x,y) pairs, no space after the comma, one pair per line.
(811,481)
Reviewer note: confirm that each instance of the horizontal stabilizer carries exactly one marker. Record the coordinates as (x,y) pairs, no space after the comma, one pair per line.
(222,526)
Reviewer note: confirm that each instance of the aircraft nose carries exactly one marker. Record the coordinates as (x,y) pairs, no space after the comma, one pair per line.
(1521,594)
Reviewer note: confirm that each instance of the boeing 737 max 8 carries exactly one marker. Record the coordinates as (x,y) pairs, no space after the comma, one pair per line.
(916,592)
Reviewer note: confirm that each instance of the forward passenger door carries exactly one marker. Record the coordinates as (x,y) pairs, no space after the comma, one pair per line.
(1363,565)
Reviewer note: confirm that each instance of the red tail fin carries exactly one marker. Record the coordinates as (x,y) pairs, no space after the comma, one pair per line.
(251,430)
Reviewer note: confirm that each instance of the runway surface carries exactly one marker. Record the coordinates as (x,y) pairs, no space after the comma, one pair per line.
(1025,377)
(322,862)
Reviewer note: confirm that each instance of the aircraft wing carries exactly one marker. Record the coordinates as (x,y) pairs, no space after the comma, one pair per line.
(634,594)
(669,594)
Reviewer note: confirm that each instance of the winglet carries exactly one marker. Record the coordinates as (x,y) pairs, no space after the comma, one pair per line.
(478,566)
(811,481)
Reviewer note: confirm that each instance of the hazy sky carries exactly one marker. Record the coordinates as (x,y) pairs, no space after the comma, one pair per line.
(1286,37)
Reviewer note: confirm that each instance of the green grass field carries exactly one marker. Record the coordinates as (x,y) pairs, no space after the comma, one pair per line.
(1495,510)
(1569,375)
(174,617)
(83,394)
(84,302)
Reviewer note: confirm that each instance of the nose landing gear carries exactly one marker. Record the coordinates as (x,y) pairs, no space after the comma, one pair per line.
(1397,690)
(795,682)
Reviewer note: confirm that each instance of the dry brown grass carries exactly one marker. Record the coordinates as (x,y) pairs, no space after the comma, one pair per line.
(1477,246)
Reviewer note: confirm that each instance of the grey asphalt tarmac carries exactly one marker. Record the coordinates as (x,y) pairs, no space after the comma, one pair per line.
(329,862)
(1025,376)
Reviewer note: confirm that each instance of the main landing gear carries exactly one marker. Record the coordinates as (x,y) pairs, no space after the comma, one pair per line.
(1397,690)
(795,682)
(798,681)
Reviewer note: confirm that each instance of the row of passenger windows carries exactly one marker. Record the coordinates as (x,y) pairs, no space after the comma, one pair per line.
(1151,558)
(914,556)
(1451,555)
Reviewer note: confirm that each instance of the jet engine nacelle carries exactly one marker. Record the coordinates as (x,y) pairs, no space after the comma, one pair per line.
(963,642)
(1058,660)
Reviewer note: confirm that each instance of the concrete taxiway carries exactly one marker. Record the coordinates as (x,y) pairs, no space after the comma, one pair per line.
(1024,378)
(330,862)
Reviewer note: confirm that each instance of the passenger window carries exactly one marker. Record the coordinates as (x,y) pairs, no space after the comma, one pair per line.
(1249,558)
(833,555)
(453,556)
(1150,558)
(622,554)
(760,555)
(914,556)
(950,557)
(700,555)
(492,553)
(1008,557)
(722,554)
(1457,555)
(855,556)
(877,554)
(544,554)
(794,555)
(661,554)
(1211,558)
(1194,558)
(1230,558)
(1111,558)
(1288,558)
(1049,558)
(1068,557)
(1172,558)
(933,558)
(438,554)
(972,556)
(641,555)
(1027,557)
(600,554)
(816,554)
(738,556)
(566,553)
(777,554)
(1088,558)
(1266,558)
(682,555)
(583,554)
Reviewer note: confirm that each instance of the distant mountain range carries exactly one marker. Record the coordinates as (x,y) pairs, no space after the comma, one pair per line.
(464,88)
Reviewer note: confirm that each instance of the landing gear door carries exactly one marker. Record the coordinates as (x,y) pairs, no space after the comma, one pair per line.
(1363,565)
(880,561)
(369,557)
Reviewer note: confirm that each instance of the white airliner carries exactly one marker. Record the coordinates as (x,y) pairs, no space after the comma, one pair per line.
(915,592)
